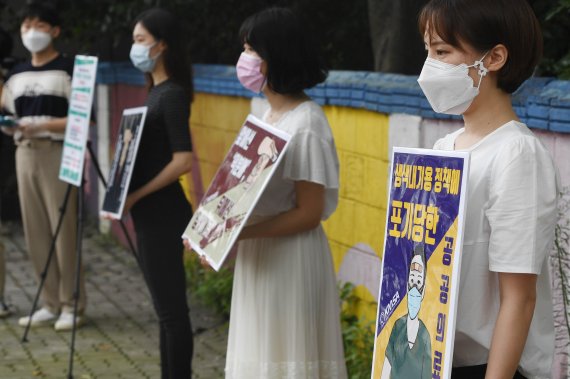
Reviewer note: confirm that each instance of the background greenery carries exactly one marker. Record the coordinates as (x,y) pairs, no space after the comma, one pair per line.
(211,288)
(554,17)
(103,27)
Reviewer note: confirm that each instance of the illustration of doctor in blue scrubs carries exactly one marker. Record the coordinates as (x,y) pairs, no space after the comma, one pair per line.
(408,354)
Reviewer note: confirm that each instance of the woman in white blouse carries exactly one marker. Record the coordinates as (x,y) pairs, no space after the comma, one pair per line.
(285,319)
(479,52)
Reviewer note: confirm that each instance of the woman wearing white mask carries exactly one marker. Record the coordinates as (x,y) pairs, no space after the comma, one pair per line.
(156,201)
(285,318)
(479,52)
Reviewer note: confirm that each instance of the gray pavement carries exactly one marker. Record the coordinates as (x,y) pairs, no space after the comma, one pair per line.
(120,337)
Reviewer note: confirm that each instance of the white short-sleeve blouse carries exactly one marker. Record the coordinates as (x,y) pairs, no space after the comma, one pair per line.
(509,227)
(311,156)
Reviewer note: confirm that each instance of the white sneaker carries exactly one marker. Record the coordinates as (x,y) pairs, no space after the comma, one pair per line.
(5,311)
(40,317)
(65,321)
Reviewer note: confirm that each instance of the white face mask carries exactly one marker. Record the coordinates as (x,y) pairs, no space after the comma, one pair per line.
(449,88)
(36,40)
(140,56)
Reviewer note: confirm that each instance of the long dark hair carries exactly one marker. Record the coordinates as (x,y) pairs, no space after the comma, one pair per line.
(165,27)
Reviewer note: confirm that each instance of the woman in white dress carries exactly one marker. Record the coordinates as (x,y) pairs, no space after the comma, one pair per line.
(285,318)
(479,53)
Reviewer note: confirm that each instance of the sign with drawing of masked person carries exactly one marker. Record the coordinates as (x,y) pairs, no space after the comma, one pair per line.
(235,190)
(415,325)
(128,139)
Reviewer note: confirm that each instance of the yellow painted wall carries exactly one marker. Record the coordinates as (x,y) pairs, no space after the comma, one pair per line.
(214,121)
(361,138)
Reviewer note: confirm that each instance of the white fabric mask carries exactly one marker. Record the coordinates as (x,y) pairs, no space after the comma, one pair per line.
(449,88)
(36,40)
(140,56)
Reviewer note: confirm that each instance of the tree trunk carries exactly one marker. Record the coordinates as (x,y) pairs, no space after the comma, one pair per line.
(396,43)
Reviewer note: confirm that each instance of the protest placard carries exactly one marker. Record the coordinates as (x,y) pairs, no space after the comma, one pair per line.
(235,190)
(130,132)
(78,119)
(415,325)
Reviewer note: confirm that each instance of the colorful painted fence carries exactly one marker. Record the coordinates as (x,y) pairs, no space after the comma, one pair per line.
(369,114)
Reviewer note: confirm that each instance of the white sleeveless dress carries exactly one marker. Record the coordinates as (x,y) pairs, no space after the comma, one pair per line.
(285,317)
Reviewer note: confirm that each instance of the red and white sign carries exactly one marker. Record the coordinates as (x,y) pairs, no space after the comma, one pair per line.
(235,190)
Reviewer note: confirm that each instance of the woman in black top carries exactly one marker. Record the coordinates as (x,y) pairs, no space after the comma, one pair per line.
(157,203)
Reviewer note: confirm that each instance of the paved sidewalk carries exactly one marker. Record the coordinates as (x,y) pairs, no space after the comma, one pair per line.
(120,338)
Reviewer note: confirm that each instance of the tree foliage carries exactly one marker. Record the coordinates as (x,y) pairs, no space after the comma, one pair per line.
(104,27)
(396,43)
(346,30)
(554,16)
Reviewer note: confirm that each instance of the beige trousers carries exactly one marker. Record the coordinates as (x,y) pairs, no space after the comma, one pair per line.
(41,197)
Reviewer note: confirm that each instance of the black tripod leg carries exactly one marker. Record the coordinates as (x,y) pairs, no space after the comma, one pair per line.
(127,235)
(43,275)
(102,178)
(78,250)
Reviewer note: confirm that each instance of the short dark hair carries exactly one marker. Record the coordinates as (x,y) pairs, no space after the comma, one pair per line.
(280,38)
(483,24)
(164,26)
(43,11)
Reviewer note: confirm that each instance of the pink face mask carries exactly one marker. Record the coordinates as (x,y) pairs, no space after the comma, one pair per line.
(249,72)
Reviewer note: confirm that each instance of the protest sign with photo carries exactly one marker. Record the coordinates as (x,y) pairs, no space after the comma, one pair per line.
(130,131)
(235,189)
(415,324)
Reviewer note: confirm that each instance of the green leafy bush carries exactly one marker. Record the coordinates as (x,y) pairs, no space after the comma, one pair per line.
(357,334)
(211,288)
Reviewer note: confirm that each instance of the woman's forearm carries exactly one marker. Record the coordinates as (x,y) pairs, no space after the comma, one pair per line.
(305,216)
(290,222)
(181,163)
(518,299)
(56,125)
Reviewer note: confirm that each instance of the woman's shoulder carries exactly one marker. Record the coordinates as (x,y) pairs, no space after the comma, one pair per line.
(517,145)
(448,141)
(309,117)
(169,89)
(167,94)
(315,111)
(515,138)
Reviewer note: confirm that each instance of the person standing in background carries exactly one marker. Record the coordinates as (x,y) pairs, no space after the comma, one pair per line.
(5,51)
(37,93)
(156,200)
